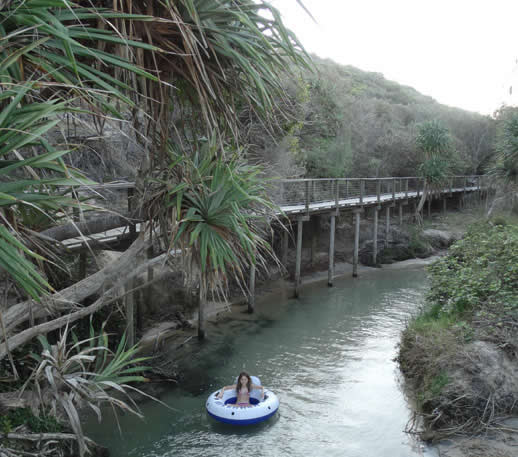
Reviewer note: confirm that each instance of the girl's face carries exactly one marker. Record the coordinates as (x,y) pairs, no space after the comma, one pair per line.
(243,380)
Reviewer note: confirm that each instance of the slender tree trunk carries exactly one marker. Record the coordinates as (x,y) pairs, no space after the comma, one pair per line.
(201,307)
(4,335)
(422,201)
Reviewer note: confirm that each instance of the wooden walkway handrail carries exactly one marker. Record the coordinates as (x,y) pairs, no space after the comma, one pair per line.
(131,185)
(386,178)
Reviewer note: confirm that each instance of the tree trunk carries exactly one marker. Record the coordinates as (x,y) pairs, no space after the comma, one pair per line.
(201,308)
(420,206)
(107,298)
(69,297)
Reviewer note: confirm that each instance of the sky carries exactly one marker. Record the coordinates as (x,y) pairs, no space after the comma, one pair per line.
(462,53)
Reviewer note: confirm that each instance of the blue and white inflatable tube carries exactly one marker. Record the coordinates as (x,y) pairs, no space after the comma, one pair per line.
(225,409)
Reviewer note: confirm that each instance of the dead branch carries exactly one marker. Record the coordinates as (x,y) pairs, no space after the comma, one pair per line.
(111,295)
(69,297)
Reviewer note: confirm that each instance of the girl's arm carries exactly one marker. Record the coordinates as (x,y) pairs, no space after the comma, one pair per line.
(253,386)
(220,393)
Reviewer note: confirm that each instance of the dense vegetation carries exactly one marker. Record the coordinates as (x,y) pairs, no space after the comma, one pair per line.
(197,90)
(170,76)
(348,122)
(460,354)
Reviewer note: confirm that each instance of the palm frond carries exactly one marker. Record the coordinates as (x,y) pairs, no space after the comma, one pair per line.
(69,376)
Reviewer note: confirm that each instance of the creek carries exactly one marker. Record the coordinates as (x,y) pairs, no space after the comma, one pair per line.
(327,355)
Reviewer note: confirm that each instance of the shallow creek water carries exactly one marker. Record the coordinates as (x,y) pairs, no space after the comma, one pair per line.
(327,355)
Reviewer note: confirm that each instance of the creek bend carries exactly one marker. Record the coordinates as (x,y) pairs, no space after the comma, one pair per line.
(328,356)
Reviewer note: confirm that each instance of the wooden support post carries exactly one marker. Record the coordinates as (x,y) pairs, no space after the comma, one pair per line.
(150,271)
(251,292)
(130,313)
(299,256)
(331,269)
(285,241)
(356,213)
(375,236)
(400,214)
(201,310)
(83,257)
(315,228)
(387,224)
(429,205)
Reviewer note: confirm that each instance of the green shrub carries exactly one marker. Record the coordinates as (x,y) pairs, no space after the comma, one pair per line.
(479,270)
(37,424)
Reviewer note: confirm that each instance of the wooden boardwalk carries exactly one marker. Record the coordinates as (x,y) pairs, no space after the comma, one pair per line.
(299,201)
(297,198)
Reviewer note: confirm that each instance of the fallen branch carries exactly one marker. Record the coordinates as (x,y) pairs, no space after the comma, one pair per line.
(110,296)
(39,437)
(69,297)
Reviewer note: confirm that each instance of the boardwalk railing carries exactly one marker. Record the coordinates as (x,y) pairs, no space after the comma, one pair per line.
(295,195)
(306,192)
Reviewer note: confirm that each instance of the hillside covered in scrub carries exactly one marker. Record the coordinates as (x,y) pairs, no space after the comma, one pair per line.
(346,122)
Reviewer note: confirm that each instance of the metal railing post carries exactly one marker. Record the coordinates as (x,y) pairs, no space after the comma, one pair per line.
(337,184)
(393,189)
(307,196)
(406,188)
(378,190)
(362,182)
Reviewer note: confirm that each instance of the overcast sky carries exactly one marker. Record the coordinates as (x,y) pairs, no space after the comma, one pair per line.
(461,52)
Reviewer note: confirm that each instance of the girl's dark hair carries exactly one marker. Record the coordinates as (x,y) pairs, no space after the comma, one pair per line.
(248,384)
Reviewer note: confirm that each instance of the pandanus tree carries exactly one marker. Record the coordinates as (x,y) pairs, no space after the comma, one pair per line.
(505,167)
(433,142)
(214,207)
(202,61)
(46,71)
(178,69)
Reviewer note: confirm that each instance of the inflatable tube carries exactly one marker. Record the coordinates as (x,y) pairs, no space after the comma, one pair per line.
(225,409)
